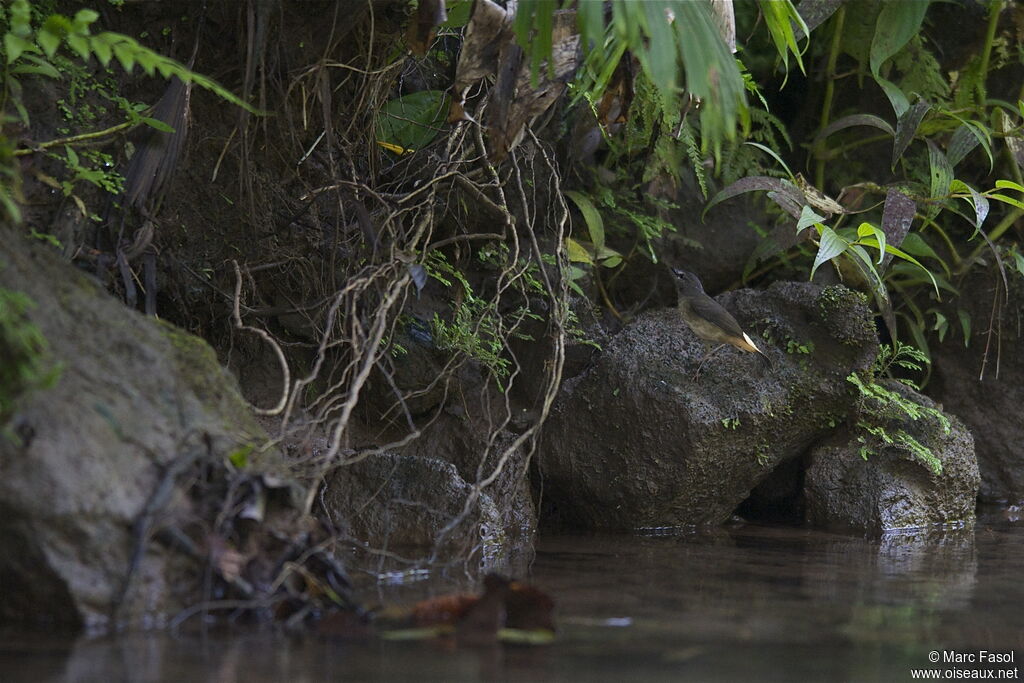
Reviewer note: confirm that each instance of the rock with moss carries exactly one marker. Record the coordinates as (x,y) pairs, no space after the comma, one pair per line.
(80,460)
(637,441)
(412,506)
(905,472)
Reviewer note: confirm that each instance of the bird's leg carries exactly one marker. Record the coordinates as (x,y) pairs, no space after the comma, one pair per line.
(705,359)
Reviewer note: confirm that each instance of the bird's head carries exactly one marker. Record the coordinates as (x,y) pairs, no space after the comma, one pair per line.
(688,282)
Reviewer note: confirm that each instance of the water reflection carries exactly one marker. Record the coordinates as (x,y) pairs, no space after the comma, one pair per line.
(744,603)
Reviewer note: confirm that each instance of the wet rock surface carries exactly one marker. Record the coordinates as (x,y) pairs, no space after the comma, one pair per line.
(134,397)
(893,489)
(637,441)
(401,503)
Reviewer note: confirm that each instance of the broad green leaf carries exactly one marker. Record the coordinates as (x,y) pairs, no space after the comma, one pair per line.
(830,246)
(591,216)
(412,121)
(84,17)
(15,45)
(914,244)
(49,41)
(975,199)
(79,44)
(101,48)
(897,23)
(808,218)
(577,253)
(910,259)
(940,171)
(1018,261)
(157,124)
(1009,185)
(125,55)
(37,65)
(867,230)
(1007,200)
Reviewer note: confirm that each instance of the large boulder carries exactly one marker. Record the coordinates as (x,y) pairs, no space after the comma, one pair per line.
(991,406)
(81,461)
(893,488)
(637,441)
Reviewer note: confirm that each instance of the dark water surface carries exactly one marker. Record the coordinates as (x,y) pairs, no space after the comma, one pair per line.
(749,603)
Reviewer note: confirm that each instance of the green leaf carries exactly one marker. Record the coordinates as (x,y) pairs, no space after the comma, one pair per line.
(855,120)
(975,199)
(79,45)
(1007,200)
(15,45)
(914,244)
(807,219)
(577,253)
(897,23)
(940,170)
(773,154)
(38,66)
(125,54)
(21,18)
(101,48)
(49,41)
(592,217)
(830,246)
(965,325)
(780,16)
(157,124)
(1009,185)
(867,230)
(756,183)
(414,120)
(84,17)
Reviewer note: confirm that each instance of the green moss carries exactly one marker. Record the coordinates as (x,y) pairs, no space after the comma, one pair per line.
(25,363)
(200,370)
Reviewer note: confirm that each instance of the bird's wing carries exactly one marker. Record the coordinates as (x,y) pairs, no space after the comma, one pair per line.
(711,310)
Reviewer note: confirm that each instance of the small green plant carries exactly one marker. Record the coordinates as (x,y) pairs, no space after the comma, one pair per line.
(731,422)
(879,407)
(30,50)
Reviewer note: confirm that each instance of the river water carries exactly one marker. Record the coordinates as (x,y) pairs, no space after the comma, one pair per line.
(742,603)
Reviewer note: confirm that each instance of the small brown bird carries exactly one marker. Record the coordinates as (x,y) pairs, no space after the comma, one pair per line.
(709,320)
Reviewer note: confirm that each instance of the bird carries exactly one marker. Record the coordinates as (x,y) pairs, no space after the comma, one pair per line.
(709,320)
